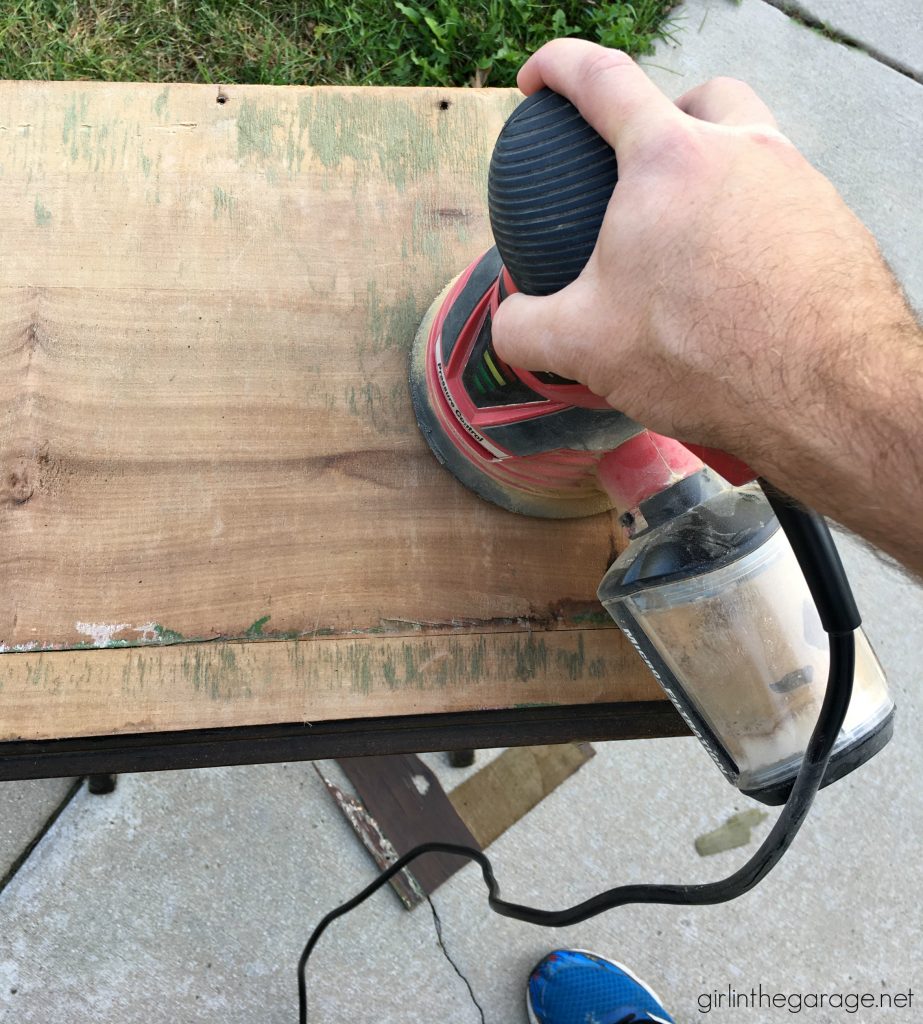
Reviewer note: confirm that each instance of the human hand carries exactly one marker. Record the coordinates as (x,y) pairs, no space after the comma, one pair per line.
(730,281)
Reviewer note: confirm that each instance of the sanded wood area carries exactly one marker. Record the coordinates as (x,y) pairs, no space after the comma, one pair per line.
(215,505)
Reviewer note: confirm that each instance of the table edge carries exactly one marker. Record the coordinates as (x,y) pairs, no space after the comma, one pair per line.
(298,741)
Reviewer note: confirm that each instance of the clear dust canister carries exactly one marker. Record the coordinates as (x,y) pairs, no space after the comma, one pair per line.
(711,595)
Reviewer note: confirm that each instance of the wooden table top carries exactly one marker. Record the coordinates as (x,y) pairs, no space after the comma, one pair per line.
(216,509)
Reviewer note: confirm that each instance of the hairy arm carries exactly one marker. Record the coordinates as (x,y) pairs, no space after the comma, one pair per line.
(734,300)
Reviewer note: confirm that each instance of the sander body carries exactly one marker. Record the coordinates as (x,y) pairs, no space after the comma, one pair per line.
(708,589)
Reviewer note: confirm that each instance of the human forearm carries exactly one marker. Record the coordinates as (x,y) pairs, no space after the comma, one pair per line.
(855,451)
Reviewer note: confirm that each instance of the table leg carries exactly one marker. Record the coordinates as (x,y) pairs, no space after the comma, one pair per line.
(99,785)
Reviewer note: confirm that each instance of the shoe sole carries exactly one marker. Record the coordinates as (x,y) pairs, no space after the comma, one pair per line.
(631,974)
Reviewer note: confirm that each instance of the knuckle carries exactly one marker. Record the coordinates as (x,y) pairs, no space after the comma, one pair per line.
(598,67)
(727,84)
(726,87)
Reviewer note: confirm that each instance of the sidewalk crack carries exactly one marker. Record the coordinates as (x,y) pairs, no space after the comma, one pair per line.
(6,878)
(437,921)
(794,10)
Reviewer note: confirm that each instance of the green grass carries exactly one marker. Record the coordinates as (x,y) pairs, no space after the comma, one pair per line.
(367,42)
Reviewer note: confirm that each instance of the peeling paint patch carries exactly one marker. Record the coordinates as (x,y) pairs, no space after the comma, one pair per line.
(107,634)
(101,633)
(255,630)
(165,636)
(32,645)
(256,125)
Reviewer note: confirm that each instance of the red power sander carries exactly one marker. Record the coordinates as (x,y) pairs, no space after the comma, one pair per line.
(709,590)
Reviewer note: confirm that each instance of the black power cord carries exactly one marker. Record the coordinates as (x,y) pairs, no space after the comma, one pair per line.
(824,574)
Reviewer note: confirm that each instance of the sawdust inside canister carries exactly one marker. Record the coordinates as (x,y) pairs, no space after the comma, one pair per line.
(747,646)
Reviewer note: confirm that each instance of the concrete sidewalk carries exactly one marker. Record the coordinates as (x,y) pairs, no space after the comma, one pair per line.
(187,896)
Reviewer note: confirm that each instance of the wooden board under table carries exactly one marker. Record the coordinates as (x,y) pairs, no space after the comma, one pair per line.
(218,520)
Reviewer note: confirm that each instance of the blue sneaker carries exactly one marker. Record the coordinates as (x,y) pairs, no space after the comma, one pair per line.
(571,986)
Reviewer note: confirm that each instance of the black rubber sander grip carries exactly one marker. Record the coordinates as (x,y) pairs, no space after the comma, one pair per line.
(551,177)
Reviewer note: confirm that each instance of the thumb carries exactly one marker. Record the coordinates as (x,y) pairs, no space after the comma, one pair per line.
(525,332)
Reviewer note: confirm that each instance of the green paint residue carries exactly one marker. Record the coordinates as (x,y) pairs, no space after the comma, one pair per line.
(160,104)
(342,127)
(597,668)
(359,667)
(425,233)
(167,636)
(74,117)
(391,325)
(223,678)
(93,143)
(410,664)
(255,630)
(256,125)
(477,659)
(573,662)
(531,658)
(733,833)
(336,129)
(38,673)
(597,617)
(223,202)
(294,151)
(42,214)
(537,704)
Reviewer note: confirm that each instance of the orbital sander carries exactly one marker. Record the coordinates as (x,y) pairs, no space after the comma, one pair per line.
(709,590)
(733,594)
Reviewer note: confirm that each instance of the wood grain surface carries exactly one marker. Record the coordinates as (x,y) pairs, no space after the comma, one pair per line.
(207,297)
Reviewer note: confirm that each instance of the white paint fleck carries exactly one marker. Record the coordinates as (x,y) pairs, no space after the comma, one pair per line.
(31,645)
(421,783)
(101,633)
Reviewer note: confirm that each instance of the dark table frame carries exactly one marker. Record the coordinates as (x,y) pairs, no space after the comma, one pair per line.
(263,744)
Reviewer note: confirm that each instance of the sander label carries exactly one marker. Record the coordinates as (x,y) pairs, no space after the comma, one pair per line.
(497,453)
